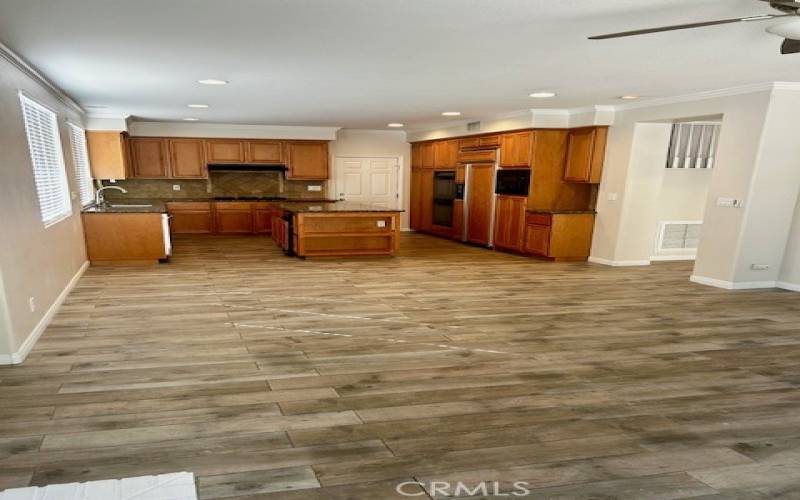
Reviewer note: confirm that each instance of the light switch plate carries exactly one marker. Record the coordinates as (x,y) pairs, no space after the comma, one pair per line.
(381,223)
(176,187)
(729,202)
(314,187)
(612,197)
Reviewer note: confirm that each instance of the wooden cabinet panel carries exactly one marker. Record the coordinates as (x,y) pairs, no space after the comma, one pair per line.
(469,143)
(225,151)
(262,218)
(416,155)
(149,157)
(479,199)
(537,240)
(426,201)
(509,222)
(188,159)
(477,156)
(415,202)
(489,140)
(445,154)
(190,217)
(116,237)
(108,154)
(585,155)
(266,152)
(461,172)
(233,220)
(307,160)
(515,149)
(458,219)
(427,154)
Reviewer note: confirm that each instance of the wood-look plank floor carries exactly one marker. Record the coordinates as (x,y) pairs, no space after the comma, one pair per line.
(270,377)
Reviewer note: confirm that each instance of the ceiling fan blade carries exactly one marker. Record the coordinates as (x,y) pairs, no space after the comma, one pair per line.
(686,26)
(783,3)
(790,46)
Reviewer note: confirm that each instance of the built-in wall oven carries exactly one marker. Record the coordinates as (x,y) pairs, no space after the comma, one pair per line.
(444,193)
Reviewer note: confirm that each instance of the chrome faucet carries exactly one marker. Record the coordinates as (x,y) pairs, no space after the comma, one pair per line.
(99,199)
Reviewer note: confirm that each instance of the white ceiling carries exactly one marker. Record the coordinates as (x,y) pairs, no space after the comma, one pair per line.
(364,63)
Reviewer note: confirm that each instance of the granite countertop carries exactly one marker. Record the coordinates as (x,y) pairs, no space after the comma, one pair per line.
(329,207)
(159,205)
(559,211)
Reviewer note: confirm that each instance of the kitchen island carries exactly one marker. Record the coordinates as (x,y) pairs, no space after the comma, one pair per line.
(337,229)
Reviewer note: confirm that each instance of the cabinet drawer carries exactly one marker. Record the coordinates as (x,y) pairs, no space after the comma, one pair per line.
(479,156)
(233,205)
(470,142)
(489,140)
(188,205)
(540,219)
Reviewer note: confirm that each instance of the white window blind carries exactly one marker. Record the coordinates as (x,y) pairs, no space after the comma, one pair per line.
(50,176)
(693,145)
(80,160)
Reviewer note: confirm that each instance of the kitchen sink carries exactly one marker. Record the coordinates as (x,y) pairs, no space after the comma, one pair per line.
(122,205)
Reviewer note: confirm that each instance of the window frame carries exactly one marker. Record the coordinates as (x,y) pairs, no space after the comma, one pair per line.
(59,176)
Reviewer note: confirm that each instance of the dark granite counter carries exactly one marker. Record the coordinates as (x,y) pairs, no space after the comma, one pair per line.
(132,206)
(333,207)
(159,205)
(558,211)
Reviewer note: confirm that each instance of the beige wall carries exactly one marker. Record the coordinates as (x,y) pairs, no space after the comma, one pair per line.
(790,268)
(376,143)
(35,261)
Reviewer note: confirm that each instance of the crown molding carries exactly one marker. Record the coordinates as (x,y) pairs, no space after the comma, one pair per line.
(22,65)
(709,94)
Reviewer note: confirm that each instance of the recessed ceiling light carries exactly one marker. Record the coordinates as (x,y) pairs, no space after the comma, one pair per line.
(542,95)
(191,119)
(629,97)
(395,125)
(213,81)
(451,113)
(198,105)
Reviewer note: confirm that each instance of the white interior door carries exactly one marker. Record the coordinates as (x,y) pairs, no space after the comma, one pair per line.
(368,180)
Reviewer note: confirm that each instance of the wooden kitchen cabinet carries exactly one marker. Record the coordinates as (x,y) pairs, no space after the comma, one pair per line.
(187,159)
(233,218)
(586,148)
(427,155)
(264,152)
(566,236)
(445,154)
(190,217)
(149,157)
(415,202)
(108,154)
(509,222)
(416,155)
(225,151)
(262,217)
(129,238)
(515,149)
(307,160)
(479,200)
(458,220)
(426,201)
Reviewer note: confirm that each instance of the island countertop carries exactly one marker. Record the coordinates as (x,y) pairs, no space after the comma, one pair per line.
(334,207)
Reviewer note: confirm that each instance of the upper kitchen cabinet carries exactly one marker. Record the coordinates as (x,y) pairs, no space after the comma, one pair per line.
(149,157)
(266,152)
(187,159)
(108,154)
(445,154)
(416,155)
(427,154)
(307,160)
(515,149)
(225,151)
(586,148)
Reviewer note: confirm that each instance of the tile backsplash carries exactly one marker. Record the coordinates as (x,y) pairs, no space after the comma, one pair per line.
(218,184)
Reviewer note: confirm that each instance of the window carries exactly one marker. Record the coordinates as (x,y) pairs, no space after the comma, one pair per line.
(50,176)
(693,145)
(80,159)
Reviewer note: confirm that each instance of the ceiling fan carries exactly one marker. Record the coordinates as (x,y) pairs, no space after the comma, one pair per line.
(789,30)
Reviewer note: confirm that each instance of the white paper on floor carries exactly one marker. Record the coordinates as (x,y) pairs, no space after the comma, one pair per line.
(175,486)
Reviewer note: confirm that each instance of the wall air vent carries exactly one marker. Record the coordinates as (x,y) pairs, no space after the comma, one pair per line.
(677,240)
(474,127)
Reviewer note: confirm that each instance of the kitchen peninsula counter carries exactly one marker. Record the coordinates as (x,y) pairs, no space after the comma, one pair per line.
(337,229)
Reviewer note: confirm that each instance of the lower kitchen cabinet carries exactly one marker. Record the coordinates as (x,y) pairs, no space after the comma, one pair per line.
(509,220)
(190,217)
(262,217)
(559,236)
(233,218)
(458,220)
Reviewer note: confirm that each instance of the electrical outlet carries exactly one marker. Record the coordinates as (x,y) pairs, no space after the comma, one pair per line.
(176,187)
(315,187)
(612,197)
(381,223)
(759,267)
(31,304)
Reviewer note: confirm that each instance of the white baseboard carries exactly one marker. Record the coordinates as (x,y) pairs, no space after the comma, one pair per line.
(731,285)
(619,263)
(23,351)
(672,257)
(788,286)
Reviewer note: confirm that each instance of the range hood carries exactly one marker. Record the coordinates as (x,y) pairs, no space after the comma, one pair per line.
(246,167)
